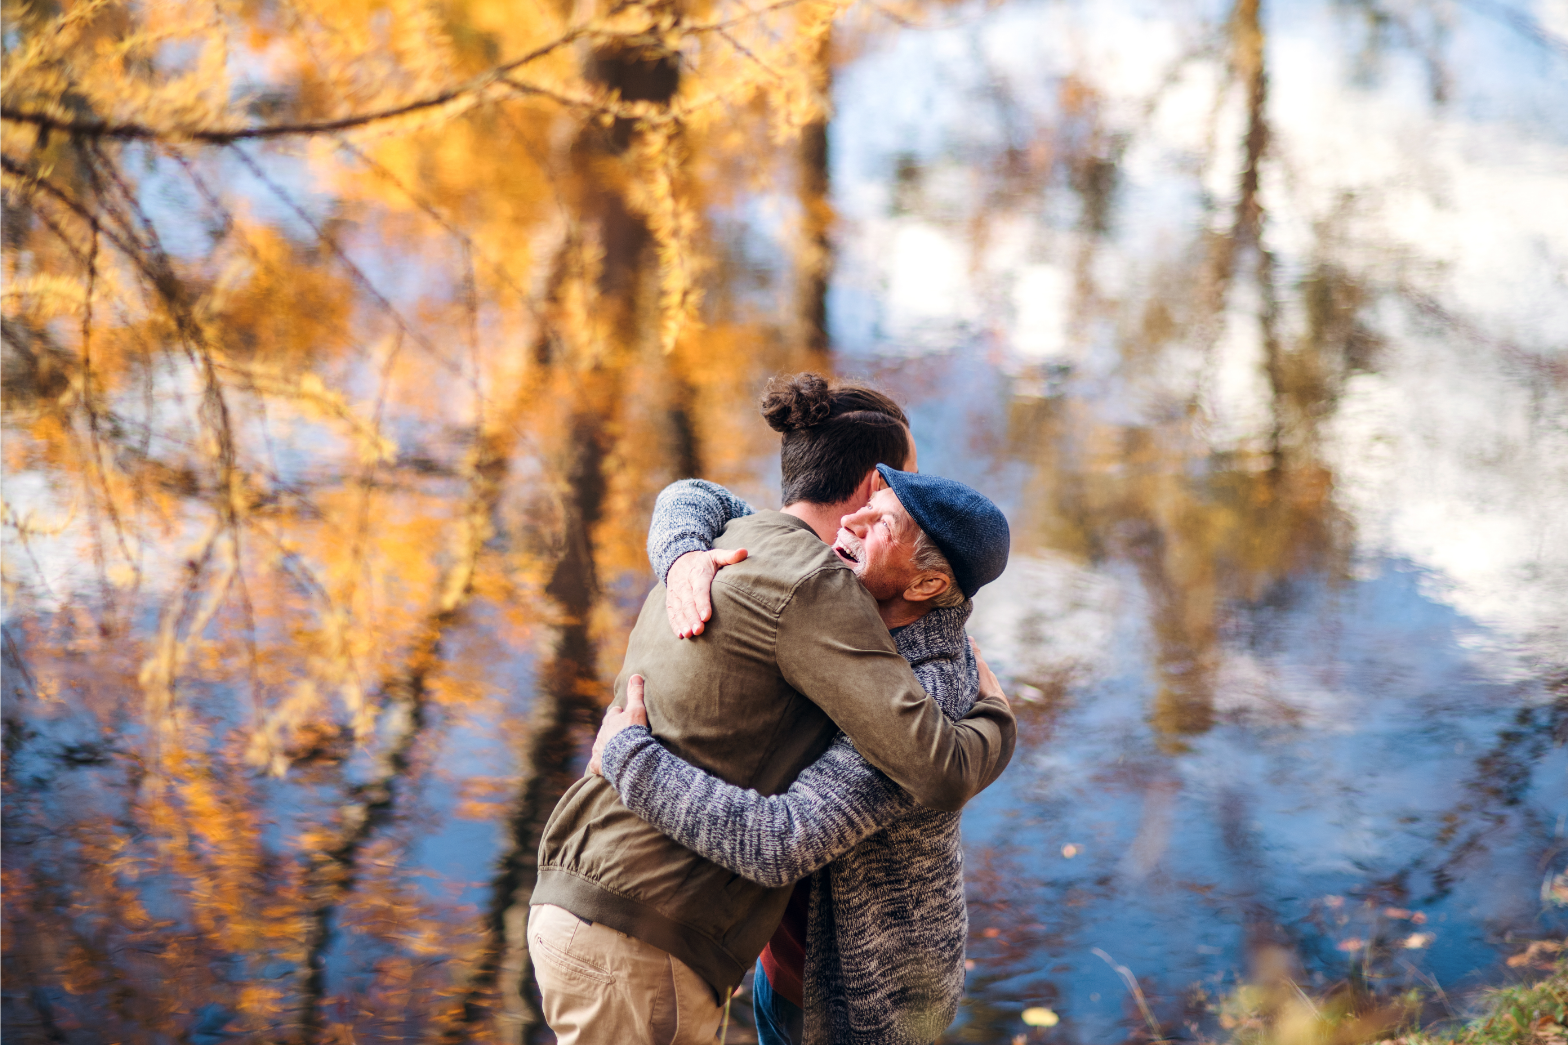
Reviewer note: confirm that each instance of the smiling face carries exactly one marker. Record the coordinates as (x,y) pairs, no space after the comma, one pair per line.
(878,544)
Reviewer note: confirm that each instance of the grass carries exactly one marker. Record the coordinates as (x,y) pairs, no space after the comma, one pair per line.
(1282,1014)
(1533,1013)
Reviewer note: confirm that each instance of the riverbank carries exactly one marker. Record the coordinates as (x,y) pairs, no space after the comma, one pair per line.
(1532,1012)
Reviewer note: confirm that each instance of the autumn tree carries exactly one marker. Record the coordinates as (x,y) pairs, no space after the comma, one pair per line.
(345,346)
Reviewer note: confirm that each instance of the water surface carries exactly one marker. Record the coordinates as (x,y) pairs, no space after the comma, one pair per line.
(1252,320)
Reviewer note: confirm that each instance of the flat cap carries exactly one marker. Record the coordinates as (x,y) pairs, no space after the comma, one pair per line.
(971,531)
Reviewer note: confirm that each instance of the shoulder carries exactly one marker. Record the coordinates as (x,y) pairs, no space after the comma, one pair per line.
(938,649)
(831,588)
(788,531)
(829,615)
(939,635)
(699,498)
(785,557)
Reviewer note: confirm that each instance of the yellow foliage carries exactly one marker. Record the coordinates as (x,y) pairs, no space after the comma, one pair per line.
(361,334)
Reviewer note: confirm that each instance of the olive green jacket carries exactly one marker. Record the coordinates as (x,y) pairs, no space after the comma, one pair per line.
(795,651)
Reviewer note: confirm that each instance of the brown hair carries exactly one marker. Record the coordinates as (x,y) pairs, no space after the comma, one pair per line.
(833,435)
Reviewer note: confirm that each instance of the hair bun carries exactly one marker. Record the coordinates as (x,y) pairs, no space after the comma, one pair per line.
(800,401)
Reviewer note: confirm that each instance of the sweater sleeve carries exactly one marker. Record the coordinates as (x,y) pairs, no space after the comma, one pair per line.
(835,802)
(687,517)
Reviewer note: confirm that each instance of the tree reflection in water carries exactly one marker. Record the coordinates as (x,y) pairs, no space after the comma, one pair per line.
(1234,418)
(330,448)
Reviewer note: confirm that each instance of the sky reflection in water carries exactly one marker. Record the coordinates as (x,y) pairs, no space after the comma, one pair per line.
(1288,610)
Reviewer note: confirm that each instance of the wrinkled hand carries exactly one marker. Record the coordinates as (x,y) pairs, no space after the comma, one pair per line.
(990,685)
(687,586)
(635,713)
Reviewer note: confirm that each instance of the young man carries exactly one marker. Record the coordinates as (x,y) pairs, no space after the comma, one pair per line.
(635,938)
(872,947)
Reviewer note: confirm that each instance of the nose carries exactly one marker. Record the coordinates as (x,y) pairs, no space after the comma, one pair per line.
(854,522)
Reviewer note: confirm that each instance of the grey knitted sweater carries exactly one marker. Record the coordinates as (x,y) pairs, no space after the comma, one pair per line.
(887,922)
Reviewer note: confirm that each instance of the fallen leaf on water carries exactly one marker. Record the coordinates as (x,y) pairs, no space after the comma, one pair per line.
(1041,1017)
(1355,943)
(1416,941)
(991,933)
(1395,912)
(969,964)
(1069,850)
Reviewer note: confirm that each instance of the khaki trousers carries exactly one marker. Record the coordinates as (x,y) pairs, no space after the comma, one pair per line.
(602,986)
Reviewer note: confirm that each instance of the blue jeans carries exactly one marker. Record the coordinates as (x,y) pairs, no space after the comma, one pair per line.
(779,1022)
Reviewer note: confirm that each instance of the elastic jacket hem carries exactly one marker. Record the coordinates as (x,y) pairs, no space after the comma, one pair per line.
(589,900)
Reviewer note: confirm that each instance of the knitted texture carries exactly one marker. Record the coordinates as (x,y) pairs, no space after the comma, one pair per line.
(885,937)
(887,923)
(687,517)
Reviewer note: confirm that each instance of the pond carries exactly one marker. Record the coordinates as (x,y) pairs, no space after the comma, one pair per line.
(1253,319)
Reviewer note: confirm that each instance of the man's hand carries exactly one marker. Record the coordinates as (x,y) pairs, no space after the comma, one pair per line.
(990,686)
(687,587)
(635,713)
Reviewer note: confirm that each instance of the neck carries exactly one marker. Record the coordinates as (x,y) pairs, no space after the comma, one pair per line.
(898,611)
(823,518)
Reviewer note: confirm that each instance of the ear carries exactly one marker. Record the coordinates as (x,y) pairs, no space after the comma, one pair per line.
(870,484)
(926,586)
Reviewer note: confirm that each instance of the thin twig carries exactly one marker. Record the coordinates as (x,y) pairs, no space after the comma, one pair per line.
(743,49)
(1304,997)
(1137,992)
(1432,982)
(94,420)
(434,214)
(154,264)
(210,136)
(354,270)
(132,131)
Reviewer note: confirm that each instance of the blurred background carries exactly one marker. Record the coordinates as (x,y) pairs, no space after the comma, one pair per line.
(347,343)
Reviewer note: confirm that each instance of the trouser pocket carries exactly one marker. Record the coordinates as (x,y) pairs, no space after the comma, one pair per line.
(551,930)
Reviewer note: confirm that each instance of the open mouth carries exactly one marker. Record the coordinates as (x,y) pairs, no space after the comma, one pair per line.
(847,548)
(845,554)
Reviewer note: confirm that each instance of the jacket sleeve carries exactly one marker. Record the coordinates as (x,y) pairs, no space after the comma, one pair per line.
(833,647)
(835,802)
(688,515)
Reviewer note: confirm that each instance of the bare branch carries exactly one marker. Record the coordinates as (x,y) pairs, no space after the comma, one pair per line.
(500,74)
(209,136)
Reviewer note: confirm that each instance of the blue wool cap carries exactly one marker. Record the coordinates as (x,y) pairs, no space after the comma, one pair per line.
(971,531)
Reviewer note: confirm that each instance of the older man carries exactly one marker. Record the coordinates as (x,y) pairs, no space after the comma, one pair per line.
(635,938)
(872,948)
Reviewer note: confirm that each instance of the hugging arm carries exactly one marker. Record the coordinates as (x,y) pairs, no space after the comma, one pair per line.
(835,802)
(688,516)
(833,647)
